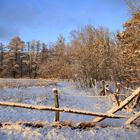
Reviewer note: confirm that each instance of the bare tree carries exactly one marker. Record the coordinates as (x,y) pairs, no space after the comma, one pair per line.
(133,5)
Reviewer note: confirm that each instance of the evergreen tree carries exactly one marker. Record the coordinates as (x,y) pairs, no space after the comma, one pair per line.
(130,42)
(12,58)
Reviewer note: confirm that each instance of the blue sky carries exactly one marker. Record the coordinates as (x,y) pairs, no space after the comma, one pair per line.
(44,20)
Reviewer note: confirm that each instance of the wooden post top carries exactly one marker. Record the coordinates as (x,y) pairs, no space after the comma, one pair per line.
(55,90)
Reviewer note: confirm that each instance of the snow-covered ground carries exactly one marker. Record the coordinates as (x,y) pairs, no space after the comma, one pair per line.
(70,97)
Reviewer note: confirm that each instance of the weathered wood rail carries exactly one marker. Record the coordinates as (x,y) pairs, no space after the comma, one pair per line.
(133,118)
(99,116)
(66,110)
(124,103)
(121,106)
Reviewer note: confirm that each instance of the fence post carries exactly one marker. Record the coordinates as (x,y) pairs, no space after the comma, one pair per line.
(103,92)
(118,86)
(56,104)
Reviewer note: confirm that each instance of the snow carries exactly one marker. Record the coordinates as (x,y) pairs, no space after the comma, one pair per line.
(66,133)
(69,96)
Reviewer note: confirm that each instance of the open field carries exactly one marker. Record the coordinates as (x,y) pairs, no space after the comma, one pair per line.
(70,97)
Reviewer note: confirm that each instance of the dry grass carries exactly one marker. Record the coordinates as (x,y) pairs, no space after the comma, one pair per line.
(24,83)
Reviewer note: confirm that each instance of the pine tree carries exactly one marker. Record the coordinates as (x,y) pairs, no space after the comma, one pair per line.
(13,59)
(1,57)
(130,43)
(1,53)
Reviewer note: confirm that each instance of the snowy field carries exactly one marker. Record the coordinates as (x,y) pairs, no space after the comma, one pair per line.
(70,97)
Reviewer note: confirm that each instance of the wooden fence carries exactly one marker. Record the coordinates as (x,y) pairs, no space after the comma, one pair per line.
(99,116)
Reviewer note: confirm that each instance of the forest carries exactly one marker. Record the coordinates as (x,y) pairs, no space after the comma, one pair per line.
(92,53)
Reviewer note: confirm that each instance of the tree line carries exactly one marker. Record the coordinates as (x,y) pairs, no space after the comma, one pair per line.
(92,53)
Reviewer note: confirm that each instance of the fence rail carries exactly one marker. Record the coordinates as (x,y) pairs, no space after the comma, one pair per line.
(66,110)
(99,116)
